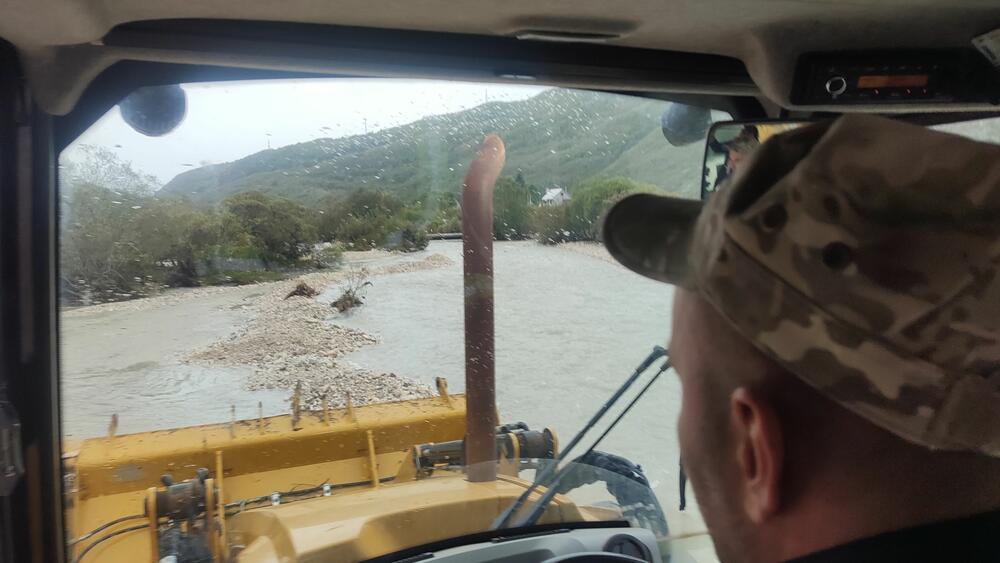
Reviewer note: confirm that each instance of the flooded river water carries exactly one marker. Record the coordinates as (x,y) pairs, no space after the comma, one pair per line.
(570,328)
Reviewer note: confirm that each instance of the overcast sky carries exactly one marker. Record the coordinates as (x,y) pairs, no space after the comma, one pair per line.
(226,121)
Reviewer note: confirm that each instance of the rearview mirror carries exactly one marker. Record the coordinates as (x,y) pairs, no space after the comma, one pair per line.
(730,144)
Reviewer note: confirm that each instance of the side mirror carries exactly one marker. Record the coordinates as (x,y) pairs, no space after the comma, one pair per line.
(684,125)
(730,144)
(154,111)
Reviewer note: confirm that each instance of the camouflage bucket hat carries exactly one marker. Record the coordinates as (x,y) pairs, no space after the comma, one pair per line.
(862,254)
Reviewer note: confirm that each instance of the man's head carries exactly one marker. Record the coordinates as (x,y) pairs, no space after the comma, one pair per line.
(837,334)
(739,148)
(781,471)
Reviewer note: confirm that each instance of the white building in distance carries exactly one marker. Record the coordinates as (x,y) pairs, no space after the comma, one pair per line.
(555,196)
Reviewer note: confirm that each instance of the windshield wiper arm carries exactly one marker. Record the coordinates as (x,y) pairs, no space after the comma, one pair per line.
(543,477)
(552,488)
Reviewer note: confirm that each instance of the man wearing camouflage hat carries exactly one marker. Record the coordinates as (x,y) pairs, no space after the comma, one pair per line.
(837,336)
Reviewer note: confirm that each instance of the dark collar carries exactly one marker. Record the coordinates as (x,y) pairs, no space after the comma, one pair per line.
(973,539)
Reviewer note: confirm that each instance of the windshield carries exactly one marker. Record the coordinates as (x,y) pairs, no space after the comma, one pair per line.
(294,247)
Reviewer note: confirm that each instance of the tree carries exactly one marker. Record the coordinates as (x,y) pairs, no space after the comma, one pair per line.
(101,257)
(534,191)
(548,222)
(580,218)
(103,197)
(511,210)
(374,219)
(592,200)
(276,229)
(178,238)
(102,167)
(448,218)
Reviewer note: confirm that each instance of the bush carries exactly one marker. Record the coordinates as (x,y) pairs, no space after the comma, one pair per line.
(327,255)
(119,241)
(120,245)
(278,229)
(591,201)
(548,222)
(373,219)
(354,293)
(361,221)
(411,239)
(447,220)
(580,218)
(511,210)
(101,256)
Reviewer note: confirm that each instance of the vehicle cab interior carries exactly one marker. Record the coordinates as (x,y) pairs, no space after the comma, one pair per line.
(245,248)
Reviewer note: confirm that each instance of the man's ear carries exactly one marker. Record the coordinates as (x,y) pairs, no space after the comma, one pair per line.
(760,452)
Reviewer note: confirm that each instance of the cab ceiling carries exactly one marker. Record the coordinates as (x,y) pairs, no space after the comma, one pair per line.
(60,41)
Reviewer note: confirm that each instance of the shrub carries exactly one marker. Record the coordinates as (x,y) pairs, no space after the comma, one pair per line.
(365,219)
(591,201)
(411,239)
(447,220)
(548,222)
(277,228)
(580,218)
(511,210)
(327,255)
(356,284)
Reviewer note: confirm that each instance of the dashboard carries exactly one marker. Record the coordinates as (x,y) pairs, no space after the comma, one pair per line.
(557,545)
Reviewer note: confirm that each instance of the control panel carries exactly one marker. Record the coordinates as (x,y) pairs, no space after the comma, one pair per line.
(895,77)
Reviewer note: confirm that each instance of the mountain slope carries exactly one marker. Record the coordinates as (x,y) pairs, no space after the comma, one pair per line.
(559,137)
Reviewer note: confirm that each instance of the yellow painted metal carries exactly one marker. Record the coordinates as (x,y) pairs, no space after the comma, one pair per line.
(211,530)
(372,462)
(356,452)
(134,462)
(220,479)
(408,468)
(507,463)
(370,523)
(112,475)
(154,547)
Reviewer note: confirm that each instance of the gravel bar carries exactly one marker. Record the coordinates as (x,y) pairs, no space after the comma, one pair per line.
(294,341)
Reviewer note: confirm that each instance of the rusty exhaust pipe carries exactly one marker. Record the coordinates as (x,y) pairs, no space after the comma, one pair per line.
(477,264)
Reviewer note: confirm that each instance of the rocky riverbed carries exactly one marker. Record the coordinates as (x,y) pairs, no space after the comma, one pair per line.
(292,341)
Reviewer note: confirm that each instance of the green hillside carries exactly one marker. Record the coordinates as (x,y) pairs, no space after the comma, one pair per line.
(559,137)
